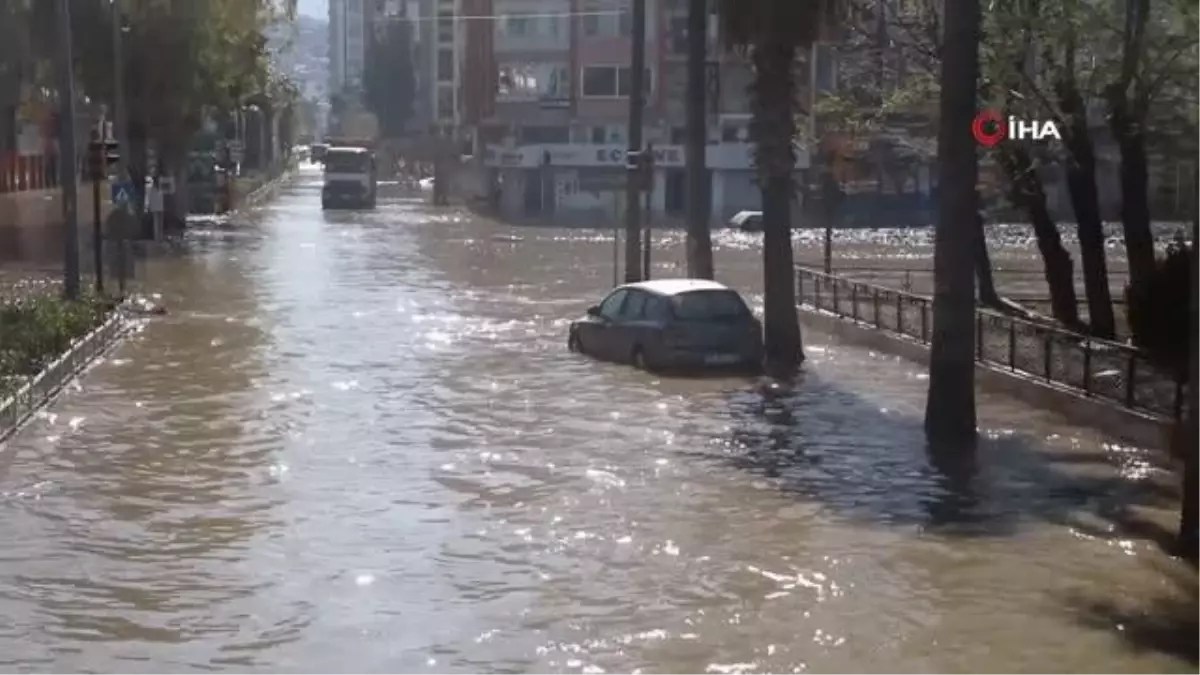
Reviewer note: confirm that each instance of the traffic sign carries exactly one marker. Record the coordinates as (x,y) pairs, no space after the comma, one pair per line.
(121,193)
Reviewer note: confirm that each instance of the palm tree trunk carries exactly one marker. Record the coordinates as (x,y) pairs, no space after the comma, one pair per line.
(699,184)
(950,406)
(774,127)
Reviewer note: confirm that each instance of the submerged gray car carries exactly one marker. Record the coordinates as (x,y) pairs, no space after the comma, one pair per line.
(671,324)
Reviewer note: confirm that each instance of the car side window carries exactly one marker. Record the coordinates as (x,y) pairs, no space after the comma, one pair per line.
(656,308)
(611,307)
(632,311)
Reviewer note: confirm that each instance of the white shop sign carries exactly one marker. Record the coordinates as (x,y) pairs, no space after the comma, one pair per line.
(729,156)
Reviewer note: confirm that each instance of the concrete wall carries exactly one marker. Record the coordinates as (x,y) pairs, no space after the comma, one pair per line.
(31,224)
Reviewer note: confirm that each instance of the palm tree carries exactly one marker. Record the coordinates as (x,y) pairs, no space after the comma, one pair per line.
(950,406)
(770,33)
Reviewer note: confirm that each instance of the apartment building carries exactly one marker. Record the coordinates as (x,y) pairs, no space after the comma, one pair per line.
(556,134)
(349,31)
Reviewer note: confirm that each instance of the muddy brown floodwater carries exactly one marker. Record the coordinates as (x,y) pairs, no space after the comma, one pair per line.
(359,444)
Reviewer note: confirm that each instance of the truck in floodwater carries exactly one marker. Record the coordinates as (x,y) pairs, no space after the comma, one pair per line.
(350,178)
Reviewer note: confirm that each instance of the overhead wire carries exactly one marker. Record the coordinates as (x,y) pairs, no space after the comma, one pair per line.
(505,15)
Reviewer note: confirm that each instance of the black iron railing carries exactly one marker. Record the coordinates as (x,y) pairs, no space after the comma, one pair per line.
(1096,368)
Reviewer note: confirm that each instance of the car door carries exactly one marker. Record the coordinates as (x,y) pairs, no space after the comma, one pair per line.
(596,332)
(627,329)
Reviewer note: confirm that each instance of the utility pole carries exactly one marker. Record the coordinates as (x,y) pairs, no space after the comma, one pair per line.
(120,127)
(699,187)
(633,163)
(647,242)
(68,160)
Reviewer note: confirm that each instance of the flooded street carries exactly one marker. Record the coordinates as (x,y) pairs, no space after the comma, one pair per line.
(358,444)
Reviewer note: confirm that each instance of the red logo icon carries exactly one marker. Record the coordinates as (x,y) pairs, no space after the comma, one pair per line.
(988,128)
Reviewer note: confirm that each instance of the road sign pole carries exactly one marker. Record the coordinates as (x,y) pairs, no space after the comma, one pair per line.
(97,236)
(121,128)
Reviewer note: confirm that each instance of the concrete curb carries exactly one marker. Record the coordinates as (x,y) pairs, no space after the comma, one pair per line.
(39,391)
(263,191)
(1130,426)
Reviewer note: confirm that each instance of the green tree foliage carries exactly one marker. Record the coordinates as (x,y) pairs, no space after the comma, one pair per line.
(389,78)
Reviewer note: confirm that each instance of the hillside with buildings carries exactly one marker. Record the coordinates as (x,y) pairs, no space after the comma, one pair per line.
(302,51)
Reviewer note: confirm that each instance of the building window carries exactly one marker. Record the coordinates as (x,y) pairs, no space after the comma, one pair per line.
(599,135)
(536,135)
(533,81)
(445,103)
(826,68)
(600,81)
(516,24)
(445,65)
(602,19)
(625,22)
(611,81)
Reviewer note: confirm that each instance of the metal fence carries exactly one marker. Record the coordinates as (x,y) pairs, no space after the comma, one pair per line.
(31,393)
(1096,368)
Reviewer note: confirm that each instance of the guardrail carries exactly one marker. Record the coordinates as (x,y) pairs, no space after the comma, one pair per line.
(1097,368)
(32,393)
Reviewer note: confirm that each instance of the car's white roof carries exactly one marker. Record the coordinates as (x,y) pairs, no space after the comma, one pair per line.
(677,286)
(742,216)
(346,148)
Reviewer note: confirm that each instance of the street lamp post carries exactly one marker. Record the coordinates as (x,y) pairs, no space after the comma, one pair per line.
(68,159)
(120,124)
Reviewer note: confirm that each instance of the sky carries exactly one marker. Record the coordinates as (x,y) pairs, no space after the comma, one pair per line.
(314,8)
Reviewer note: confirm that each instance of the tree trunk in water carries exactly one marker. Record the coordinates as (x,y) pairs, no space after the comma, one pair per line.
(784,349)
(1189,517)
(773,127)
(950,406)
(983,268)
(1026,191)
(699,184)
(1135,206)
(1085,200)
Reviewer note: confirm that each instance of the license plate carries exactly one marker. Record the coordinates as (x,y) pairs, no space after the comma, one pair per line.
(720,359)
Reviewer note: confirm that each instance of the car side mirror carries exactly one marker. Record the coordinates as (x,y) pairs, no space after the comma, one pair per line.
(594,310)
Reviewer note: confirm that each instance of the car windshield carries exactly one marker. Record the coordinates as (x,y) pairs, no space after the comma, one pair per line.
(346,162)
(708,306)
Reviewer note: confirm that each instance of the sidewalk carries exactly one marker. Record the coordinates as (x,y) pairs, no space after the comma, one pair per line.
(1108,385)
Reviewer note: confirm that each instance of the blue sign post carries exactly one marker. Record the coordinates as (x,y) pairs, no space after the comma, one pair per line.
(121,193)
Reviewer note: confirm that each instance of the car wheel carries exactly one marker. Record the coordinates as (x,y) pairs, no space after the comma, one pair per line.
(573,343)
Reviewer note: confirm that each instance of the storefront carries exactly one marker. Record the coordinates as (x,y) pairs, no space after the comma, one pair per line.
(586,183)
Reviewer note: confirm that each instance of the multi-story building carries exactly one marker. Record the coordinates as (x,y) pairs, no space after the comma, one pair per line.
(556,132)
(349,22)
(439,37)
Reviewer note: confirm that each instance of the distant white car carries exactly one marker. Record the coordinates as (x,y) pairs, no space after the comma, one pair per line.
(426,183)
(747,221)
